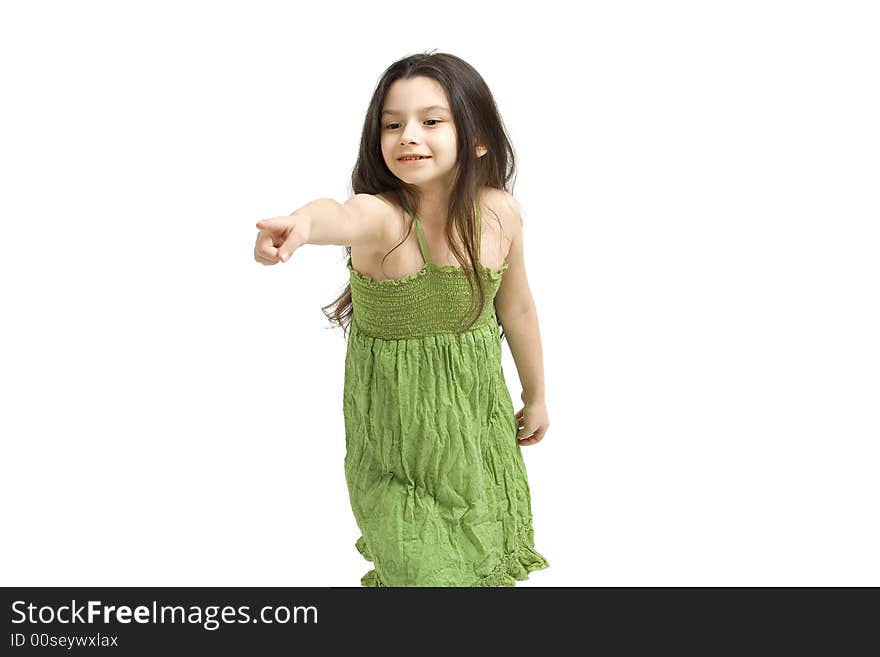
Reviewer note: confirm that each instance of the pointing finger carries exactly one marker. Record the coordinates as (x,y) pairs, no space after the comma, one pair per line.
(272,225)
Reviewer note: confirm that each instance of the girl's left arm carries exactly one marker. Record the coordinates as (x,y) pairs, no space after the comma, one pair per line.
(516,312)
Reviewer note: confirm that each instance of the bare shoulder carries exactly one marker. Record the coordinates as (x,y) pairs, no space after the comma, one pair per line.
(375,204)
(505,209)
(377,215)
(386,199)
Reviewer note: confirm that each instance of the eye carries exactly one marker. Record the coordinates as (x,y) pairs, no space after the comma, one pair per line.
(389,126)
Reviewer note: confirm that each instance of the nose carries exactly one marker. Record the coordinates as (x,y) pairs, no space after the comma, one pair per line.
(410,133)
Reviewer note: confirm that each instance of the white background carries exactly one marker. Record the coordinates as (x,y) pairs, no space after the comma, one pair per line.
(699,184)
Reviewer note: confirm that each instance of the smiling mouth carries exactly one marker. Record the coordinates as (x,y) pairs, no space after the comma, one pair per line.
(411,159)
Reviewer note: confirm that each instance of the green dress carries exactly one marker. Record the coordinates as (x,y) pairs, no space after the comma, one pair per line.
(435,476)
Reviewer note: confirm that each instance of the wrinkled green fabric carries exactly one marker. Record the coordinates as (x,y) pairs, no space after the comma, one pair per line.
(436,479)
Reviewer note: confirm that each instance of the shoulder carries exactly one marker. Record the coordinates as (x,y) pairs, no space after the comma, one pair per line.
(375,203)
(505,208)
(391,209)
(386,198)
(500,199)
(375,215)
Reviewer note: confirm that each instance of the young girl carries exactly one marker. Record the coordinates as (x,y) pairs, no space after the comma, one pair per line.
(433,464)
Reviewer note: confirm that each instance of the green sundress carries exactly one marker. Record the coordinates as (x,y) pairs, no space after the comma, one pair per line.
(435,475)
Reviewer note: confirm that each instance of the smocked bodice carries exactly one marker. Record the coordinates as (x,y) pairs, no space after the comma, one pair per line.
(436,299)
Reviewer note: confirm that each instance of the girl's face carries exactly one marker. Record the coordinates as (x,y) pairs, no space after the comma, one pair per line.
(417,118)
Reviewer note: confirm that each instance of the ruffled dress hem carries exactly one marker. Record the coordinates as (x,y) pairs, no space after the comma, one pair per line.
(516,565)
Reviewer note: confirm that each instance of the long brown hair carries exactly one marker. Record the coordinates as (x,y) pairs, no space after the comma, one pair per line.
(477,122)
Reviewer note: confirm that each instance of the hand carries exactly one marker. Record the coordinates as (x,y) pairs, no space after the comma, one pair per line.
(279,237)
(532,423)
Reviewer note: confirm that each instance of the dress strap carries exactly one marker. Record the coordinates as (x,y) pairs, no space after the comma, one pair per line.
(423,245)
(479,232)
(421,235)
